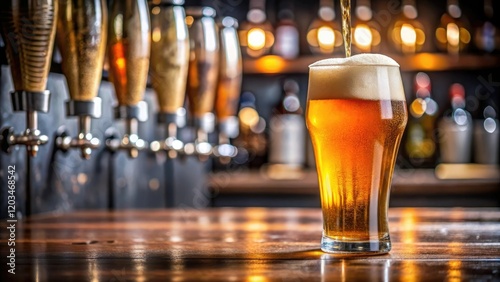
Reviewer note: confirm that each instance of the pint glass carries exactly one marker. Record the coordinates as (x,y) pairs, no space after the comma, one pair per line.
(356,115)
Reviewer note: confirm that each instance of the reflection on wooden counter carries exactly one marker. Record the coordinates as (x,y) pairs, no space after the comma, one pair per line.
(410,187)
(251,244)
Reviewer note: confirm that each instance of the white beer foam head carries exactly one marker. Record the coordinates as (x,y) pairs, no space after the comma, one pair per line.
(363,76)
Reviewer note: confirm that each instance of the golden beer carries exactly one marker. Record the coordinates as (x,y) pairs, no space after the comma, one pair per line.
(356,115)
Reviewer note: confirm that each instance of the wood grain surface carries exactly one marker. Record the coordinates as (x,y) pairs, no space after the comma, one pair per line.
(249,244)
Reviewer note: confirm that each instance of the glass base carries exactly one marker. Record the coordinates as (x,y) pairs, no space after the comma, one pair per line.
(381,246)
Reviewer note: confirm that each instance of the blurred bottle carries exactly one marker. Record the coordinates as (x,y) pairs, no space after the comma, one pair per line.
(251,141)
(420,146)
(287,33)
(256,33)
(453,34)
(325,34)
(486,35)
(487,134)
(455,129)
(365,31)
(287,134)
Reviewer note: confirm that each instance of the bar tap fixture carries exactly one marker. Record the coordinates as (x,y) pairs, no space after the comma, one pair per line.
(228,89)
(202,77)
(81,39)
(128,52)
(28,29)
(168,69)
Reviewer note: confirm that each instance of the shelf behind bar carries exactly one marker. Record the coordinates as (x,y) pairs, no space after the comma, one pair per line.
(272,64)
(405,182)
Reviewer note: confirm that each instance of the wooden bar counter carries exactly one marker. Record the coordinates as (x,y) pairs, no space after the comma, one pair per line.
(249,244)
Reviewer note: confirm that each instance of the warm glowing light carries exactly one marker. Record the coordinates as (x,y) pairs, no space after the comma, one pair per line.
(323,38)
(312,37)
(256,278)
(408,35)
(409,235)
(441,35)
(452,34)
(156,10)
(82,178)
(156,34)
(189,20)
(418,107)
(326,37)
(248,116)
(420,36)
(363,36)
(409,271)
(120,63)
(256,38)
(454,267)
(464,35)
(270,64)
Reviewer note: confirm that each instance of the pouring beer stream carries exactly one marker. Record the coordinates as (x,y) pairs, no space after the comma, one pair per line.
(346,25)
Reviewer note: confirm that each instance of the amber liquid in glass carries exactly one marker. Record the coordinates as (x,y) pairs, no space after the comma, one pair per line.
(355,150)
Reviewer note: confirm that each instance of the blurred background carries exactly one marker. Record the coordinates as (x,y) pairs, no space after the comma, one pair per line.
(449,52)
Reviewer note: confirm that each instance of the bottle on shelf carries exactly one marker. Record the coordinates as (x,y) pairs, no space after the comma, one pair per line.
(251,141)
(365,32)
(486,133)
(256,33)
(287,148)
(486,35)
(455,129)
(407,33)
(453,34)
(420,145)
(325,34)
(287,33)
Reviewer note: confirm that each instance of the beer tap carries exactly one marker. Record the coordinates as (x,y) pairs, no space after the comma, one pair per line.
(128,51)
(28,29)
(169,67)
(228,89)
(202,77)
(81,38)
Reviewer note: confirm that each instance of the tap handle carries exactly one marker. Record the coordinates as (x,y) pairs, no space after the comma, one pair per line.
(203,61)
(29,30)
(81,39)
(169,56)
(230,71)
(129,49)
